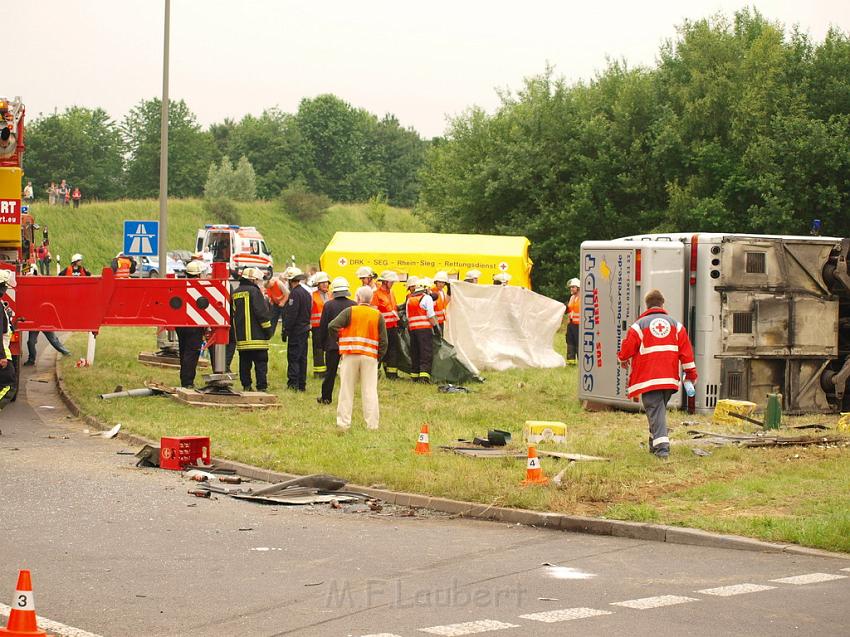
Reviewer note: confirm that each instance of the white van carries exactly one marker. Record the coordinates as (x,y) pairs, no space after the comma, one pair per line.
(238,246)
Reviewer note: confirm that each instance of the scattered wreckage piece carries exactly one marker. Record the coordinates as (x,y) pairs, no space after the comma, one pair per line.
(762,440)
(242,400)
(572,457)
(131,393)
(319,481)
(154,359)
(297,499)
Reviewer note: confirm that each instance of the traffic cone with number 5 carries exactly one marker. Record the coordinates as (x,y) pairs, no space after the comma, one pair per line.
(423,443)
(22,622)
(533,471)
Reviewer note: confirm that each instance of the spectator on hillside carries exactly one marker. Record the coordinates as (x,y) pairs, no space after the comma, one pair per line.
(76,196)
(62,193)
(28,194)
(51,194)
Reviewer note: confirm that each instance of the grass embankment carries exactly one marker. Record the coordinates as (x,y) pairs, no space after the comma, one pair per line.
(794,494)
(97,229)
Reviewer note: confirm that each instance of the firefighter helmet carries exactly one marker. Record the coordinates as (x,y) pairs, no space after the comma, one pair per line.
(472,275)
(365,272)
(76,257)
(574,283)
(196,268)
(389,276)
(412,281)
(7,278)
(340,284)
(252,274)
(501,278)
(441,277)
(321,277)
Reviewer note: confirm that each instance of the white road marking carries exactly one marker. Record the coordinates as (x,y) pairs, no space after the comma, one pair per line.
(646,603)
(468,628)
(382,635)
(810,578)
(565,614)
(51,626)
(566,572)
(846,569)
(736,589)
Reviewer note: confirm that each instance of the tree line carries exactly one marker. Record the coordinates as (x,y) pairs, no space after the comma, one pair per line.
(328,147)
(741,126)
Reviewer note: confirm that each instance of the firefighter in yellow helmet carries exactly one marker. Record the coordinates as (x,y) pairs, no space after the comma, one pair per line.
(422,325)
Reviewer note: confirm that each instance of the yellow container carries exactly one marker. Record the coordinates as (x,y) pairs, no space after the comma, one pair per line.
(726,407)
(844,422)
(544,431)
(10,206)
(423,255)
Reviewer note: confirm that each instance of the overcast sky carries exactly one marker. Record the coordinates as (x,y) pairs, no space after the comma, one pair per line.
(421,61)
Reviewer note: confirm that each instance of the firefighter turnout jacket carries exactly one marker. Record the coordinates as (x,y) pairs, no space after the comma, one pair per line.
(251,317)
(657,343)
(319,300)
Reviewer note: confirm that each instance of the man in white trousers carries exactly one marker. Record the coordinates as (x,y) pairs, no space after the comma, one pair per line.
(362,336)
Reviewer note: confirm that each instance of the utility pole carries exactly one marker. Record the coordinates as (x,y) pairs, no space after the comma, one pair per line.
(163,153)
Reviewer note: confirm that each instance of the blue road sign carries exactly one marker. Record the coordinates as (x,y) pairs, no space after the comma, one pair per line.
(141,238)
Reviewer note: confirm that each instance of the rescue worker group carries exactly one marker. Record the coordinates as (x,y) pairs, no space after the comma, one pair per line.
(351,338)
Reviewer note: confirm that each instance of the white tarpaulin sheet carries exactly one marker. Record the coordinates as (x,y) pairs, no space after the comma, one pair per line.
(502,327)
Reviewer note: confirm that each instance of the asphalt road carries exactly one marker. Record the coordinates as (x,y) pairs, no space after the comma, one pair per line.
(117,550)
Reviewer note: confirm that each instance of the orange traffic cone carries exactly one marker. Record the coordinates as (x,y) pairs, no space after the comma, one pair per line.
(22,621)
(533,471)
(423,444)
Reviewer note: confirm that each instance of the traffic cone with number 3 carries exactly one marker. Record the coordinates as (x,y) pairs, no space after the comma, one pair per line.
(22,622)
(423,443)
(533,471)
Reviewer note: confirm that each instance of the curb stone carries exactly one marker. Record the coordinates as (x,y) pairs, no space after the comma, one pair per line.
(540,519)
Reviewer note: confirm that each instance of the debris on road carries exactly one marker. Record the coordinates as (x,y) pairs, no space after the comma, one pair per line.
(452,389)
(148,456)
(702,453)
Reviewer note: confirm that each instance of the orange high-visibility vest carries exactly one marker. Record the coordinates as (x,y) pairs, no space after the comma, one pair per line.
(417,318)
(318,306)
(574,309)
(384,301)
(123,271)
(276,293)
(440,305)
(362,335)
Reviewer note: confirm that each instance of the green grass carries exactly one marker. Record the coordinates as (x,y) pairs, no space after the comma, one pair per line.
(97,229)
(791,494)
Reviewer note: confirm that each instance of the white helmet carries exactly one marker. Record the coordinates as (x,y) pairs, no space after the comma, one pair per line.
(441,277)
(340,284)
(472,275)
(7,278)
(389,276)
(412,281)
(321,277)
(502,278)
(197,268)
(76,257)
(365,272)
(293,272)
(574,283)
(424,283)
(252,274)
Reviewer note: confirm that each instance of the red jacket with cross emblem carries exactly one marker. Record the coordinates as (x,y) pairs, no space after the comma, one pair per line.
(656,343)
